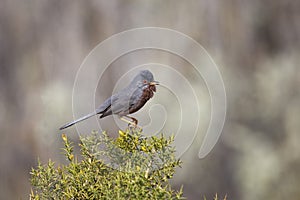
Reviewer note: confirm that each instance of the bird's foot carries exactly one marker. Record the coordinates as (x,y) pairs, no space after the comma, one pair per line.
(133,124)
(134,127)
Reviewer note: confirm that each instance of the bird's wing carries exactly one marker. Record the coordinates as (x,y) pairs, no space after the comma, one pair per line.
(126,101)
(121,103)
(105,105)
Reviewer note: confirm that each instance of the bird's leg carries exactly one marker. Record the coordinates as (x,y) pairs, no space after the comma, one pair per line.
(133,123)
(134,120)
(126,120)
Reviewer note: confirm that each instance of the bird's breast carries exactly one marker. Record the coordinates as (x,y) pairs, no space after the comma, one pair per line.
(146,95)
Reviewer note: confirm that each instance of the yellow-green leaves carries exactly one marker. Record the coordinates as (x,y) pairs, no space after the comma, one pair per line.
(130,166)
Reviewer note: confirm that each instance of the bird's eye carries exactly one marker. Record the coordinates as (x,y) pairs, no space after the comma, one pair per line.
(145,81)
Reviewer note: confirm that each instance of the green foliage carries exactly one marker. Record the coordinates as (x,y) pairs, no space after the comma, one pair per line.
(128,167)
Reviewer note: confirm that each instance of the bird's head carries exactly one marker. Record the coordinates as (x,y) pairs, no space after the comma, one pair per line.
(145,80)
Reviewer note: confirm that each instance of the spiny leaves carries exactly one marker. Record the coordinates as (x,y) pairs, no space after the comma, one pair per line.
(128,167)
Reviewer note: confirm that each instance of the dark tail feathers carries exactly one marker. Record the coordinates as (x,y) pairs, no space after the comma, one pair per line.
(78,120)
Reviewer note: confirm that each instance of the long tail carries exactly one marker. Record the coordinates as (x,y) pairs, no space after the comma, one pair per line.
(77,120)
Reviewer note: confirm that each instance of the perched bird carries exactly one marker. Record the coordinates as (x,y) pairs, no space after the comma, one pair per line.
(127,101)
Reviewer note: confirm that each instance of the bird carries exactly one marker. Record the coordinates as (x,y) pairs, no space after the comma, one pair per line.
(127,101)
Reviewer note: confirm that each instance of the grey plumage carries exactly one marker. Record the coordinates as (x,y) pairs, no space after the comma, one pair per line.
(126,101)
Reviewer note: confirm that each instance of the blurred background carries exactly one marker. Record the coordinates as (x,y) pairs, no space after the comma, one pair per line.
(256,45)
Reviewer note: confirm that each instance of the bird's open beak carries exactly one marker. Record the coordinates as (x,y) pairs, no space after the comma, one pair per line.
(154,83)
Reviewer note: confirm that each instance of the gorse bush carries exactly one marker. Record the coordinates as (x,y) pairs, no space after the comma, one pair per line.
(128,167)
